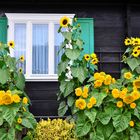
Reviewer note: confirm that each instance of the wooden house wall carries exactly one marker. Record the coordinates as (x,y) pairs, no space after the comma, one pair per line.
(113,22)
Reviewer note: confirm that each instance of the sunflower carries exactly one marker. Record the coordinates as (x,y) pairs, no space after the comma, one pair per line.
(16,98)
(25,100)
(87,57)
(93,100)
(80,103)
(136,83)
(135,94)
(113,80)
(96,76)
(131,123)
(124,57)
(21,58)
(89,105)
(98,83)
(133,105)
(128,75)
(135,41)
(137,48)
(135,53)
(119,104)
(7,99)
(11,44)
(94,61)
(85,92)
(123,93)
(20,70)
(128,99)
(93,55)
(78,91)
(127,41)
(19,120)
(115,93)
(64,21)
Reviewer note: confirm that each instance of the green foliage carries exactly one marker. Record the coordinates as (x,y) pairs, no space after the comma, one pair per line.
(103,108)
(132,53)
(73,67)
(14,113)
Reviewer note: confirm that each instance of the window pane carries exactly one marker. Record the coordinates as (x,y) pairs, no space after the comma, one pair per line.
(20,43)
(58,41)
(40,49)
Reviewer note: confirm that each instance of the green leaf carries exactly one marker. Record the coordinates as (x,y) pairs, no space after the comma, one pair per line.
(62,67)
(62,108)
(134,134)
(138,69)
(31,118)
(1,120)
(106,115)
(97,136)
(72,54)
(80,73)
(99,97)
(91,114)
(79,43)
(67,35)
(7,135)
(116,136)
(68,89)
(137,111)
(4,76)
(128,50)
(27,123)
(20,81)
(121,120)
(70,100)
(11,63)
(91,79)
(133,63)
(11,134)
(9,112)
(83,128)
(3,134)
(105,130)
(18,127)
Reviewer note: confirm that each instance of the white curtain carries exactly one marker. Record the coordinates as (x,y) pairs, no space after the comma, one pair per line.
(40,49)
(20,43)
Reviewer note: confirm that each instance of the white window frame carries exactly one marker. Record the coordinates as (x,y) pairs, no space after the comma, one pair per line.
(29,19)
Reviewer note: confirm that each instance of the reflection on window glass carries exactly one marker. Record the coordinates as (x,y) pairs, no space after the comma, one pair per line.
(40,49)
(20,43)
(58,41)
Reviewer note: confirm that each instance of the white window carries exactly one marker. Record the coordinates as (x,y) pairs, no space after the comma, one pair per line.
(36,38)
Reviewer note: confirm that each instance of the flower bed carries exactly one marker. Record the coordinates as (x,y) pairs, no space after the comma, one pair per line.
(102,107)
(14,113)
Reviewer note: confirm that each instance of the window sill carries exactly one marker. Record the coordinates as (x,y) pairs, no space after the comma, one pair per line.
(41,78)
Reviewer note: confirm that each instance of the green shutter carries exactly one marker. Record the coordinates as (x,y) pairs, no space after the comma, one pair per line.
(87,25)
(3,29)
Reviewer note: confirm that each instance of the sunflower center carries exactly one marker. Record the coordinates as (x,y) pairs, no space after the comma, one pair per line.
(11,44)
(135,52)
(65,22)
